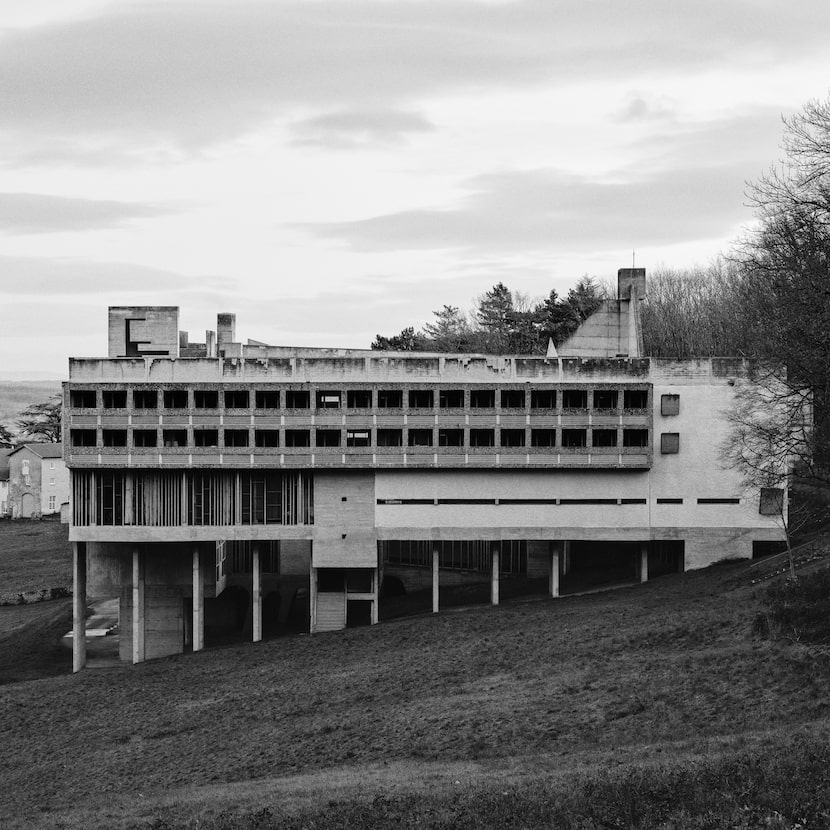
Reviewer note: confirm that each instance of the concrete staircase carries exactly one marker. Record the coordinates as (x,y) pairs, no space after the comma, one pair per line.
(810,554)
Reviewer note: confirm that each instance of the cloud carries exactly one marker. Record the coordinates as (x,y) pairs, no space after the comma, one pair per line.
(149,75)
(640,109)
(357,128)
(42,213)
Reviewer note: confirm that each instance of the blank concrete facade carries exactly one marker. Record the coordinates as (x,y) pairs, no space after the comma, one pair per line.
(223,486)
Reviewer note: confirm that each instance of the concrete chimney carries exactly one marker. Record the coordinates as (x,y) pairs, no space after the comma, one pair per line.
(210,343)
(225,330)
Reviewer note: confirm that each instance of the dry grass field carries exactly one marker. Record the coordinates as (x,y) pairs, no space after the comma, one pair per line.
(34,555)
(652,706)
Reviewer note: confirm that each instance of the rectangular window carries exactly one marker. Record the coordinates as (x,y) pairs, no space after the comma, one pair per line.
(390,398)
(670,443)
(237,399)
(482,438)
(297,399)
(145,437)
(267,437)
(390,438)
(669,501)
(574,398)
(327,438)
(51,465)
(115,398)
(236,437)
(512,399)
(83,437)
(635,437)
(718,501)
(52,481)
(328,399)
(420,399)
(178,437)
(574,437)
(267,399)
(297,437)
(203,437)
(635,399)
(358,438)
(451,398)
(82,398)
(52,502)
(482,398)
(175,399)
(420,438)
(771,501)
(543,399)
(605,398)
(512,437)
(115,437)
(670,404)
(450,437)
(604,437)
(206,399)
(146,399)
(359,399)
(543,437)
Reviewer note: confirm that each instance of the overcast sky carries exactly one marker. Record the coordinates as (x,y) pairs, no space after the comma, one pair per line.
(331,169)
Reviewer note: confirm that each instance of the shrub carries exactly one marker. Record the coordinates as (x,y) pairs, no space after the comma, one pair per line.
(797,609)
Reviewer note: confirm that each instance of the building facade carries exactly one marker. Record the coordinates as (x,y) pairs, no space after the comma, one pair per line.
(38,480)
(221,484)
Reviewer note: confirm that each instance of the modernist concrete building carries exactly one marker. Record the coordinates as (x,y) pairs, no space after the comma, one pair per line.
(219,484)
(38,480)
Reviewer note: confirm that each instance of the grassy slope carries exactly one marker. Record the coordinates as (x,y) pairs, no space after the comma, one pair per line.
(454,708)
(33,555)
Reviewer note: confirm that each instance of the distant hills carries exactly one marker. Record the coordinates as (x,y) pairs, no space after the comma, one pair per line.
(16,395)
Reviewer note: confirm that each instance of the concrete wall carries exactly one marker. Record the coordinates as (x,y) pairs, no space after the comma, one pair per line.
(143,330)
(344,521)
(54,482)
(24,497)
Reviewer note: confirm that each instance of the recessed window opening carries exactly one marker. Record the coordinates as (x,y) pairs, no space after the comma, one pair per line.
(327,399)
(202,438)
(574,437)
(718,501)
(420,437)
(178,437)
(359,399)
(236,399)
(512,437)
(670,443)
(420,399)
(543,399)
(206,399)
(267,399)
(115,437)
(669,501)
(83,437)
(82,398)
(605,398)
(237,437)
(512,399)
(297,399)
(145,399)
(574,398)
(604,438)
(635,398)
(390,438)
(145,437)
(267,437)
(175,399)
(390,398)
(482,438)
(115,399)
(451,399)
(670,404)
(450,437)
(543,437)
(482,398)
(635,437)
(328,438)
(358,438)
(297,437)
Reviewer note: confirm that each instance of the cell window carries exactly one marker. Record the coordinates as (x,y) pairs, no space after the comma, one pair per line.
(359,399)
(512,437)
(206,399)
(420,399)
(175,399)
(237,438)
(297,399)
(237,399)
(145,438)
(178,437)
(358,438)
(574,398)
(543,437)
(115,398)
(204,437)
(482,438)
(635,437)
(267,437)
(114,437)
(451,399)
(267,399)
(604,438)
(297,437)
(327,438)
(420,438)
(543,399)
(635,399)
(605,398)
(145,399)
(670,443)
(83,398)
(390,399)
(512,399)
(390,438)
(327,399)
(574,437)
(670,404)
(450,437)
(83,437)
(482,398)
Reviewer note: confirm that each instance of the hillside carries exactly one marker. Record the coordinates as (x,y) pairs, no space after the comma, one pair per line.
(614,709)
(15,396)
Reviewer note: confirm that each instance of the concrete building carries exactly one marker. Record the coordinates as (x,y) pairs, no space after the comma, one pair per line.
(223,485)
(38,480)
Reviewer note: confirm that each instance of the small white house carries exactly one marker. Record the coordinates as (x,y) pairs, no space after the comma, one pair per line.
(38,480)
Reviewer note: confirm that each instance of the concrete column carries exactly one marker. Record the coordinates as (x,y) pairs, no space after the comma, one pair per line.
(553,583)
(494,588)
(312,594)
(78,606)
(375,591)
(138,607)
(198,603)
(566,557)
(256,590)
(435,566)
(644,562)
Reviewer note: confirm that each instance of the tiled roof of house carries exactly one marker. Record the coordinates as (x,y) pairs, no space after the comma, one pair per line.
(43,449)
